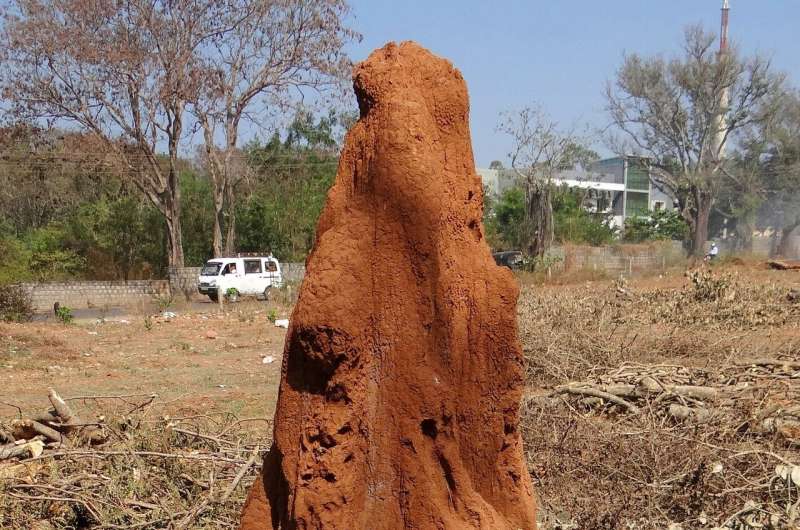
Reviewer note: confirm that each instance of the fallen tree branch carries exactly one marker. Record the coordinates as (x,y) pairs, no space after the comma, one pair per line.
(239,476)
(595,392)
(795,365)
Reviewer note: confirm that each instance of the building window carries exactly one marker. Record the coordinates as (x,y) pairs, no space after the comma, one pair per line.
(637,204)
(638,176)
(659,205)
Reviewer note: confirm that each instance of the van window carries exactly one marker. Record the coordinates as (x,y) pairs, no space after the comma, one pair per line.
(271,265)
(252,266)
(211,269)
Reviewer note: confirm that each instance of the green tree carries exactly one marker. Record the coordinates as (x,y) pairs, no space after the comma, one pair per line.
(505,220)
(198,217)
(290,181)
(573,224)
(119,237)
(540,149)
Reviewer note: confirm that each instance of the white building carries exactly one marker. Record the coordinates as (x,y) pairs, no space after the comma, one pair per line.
(620,187)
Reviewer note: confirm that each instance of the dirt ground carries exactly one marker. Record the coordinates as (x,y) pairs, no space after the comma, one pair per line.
(201,359)
(596,464)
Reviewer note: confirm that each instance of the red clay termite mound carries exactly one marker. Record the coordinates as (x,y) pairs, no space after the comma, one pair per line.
(402,373)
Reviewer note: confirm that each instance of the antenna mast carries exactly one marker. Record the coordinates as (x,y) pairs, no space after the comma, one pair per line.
(723,33)
(724,98)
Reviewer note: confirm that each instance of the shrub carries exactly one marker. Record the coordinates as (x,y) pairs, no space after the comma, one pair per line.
(15,304)
(660,225)
(64,314)
(163,301)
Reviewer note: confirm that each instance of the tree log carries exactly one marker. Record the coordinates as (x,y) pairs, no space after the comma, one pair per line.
(681,412)
(595,392)
(32,448)
(26,429)
(62,409)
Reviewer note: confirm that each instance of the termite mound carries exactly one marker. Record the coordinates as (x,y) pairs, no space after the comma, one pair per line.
(402,373)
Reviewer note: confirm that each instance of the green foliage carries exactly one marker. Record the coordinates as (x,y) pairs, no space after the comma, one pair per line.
(119,237)
(540,263)
(64,314)
(505,220)
(660,225)
(293,178)
(51,258)
(573,224)
(197,218)
(15,304)
(106,229)
(231,292)
(272,315)
(15,262)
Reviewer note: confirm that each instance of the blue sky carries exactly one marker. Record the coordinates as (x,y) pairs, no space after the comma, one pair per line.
(560,53)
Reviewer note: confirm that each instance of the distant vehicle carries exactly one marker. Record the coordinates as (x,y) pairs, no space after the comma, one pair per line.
(241,275)
(510,258)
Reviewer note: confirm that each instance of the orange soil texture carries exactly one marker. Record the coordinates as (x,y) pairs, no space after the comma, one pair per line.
(402,373)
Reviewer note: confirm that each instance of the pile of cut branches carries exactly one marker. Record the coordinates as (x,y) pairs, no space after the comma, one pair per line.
(672,445)
(716,300)
(664,408)
(126,470)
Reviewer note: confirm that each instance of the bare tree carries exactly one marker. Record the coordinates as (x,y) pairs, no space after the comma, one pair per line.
(272,51)
(122,71)
(539,150)
(683,112)
(775,151)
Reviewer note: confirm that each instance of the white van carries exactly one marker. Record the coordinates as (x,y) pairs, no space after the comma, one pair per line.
(250,275)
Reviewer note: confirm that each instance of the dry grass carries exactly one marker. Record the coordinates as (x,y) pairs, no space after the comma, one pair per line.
(631,461)
(649,455)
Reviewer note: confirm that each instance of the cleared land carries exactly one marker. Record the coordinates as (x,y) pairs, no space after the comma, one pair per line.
(658,401)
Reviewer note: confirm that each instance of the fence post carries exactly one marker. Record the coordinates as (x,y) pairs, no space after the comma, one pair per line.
(630,266)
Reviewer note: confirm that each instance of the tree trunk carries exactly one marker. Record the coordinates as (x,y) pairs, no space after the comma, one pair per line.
(745,226)
(172,213)
(230,236)
(539,213)
(219,215)
(174,238)
(702,212)
(786,233)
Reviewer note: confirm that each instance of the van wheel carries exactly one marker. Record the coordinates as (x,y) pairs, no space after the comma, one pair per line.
(213,297)
(266,294)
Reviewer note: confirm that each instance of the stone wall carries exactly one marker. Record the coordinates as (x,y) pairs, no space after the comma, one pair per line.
(95,294)
(618,259)
(293,272)
(183,280)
